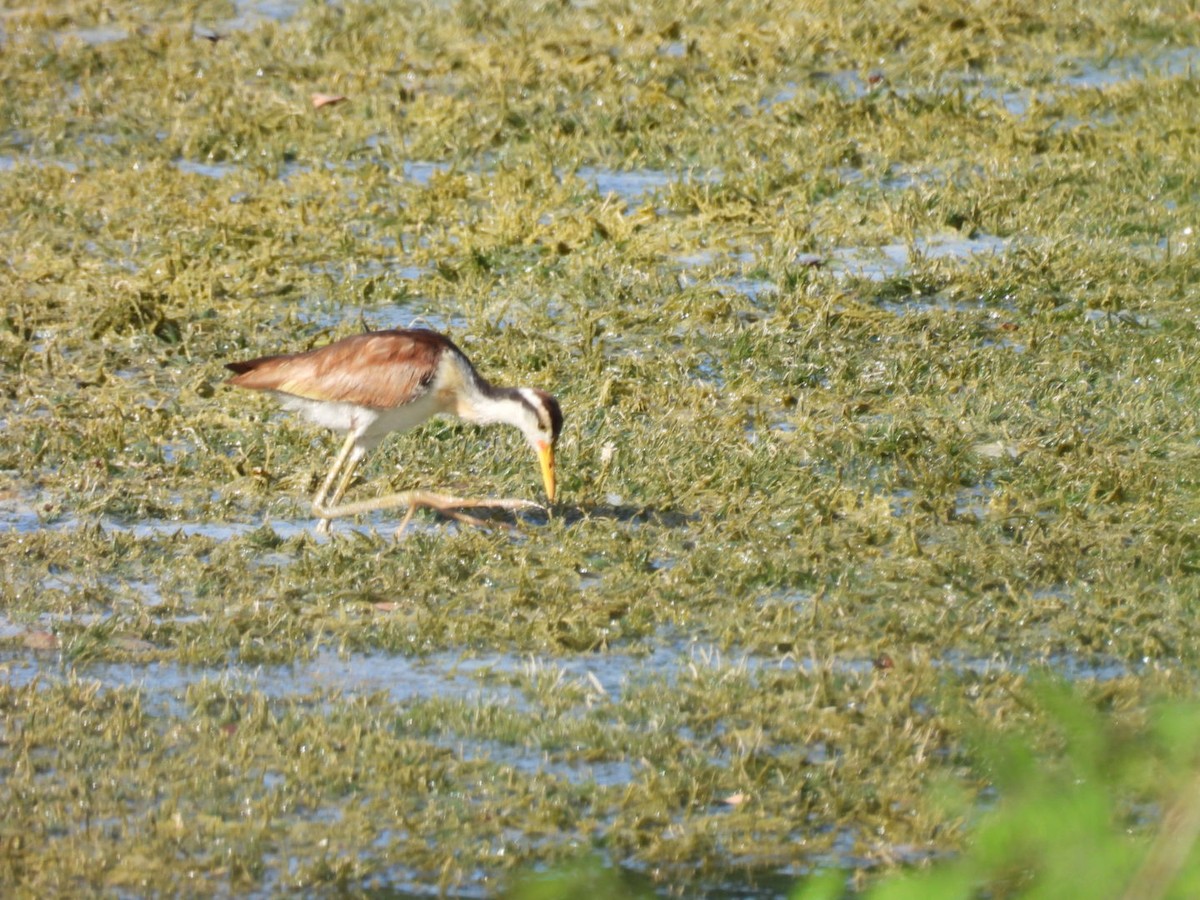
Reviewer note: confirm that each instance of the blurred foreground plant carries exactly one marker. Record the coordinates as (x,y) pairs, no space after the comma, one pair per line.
(1089,806)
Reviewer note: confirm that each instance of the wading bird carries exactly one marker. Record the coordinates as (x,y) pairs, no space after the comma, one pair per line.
(372,384)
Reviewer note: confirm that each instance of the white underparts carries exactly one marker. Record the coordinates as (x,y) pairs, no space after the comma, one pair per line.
(372,425)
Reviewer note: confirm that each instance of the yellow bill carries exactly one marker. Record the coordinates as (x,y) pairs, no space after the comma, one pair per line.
(545,454)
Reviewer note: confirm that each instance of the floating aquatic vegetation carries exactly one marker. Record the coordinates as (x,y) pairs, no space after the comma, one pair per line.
(875,334)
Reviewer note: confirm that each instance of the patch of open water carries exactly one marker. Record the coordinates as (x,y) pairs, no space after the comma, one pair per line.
(1078,75)
(27,515)
(490,679)
(1086,75)
(248,14)
(931,304)
(9,163)
(881,263)
(634,185)
(251,13)
(215,170)
(422,172)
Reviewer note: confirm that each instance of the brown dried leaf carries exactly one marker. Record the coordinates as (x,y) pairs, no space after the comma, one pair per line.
(41,640)
(319,100)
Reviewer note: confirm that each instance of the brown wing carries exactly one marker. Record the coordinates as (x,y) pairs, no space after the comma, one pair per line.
(381,370)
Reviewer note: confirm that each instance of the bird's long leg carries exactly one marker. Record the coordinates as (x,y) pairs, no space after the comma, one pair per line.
(347,473)
(417,499)
(346,462)
(351,452)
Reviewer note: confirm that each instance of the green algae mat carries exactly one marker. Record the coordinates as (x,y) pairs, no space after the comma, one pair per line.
(875,330)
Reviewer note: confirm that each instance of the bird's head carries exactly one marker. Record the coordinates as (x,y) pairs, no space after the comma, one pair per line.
(535,412)
(541,422)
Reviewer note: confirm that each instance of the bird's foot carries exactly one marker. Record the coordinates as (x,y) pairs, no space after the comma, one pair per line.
(452,507)
(414,500)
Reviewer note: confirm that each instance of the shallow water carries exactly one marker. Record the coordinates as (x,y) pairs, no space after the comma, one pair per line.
(635,185)
(781,505)
(889,260)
